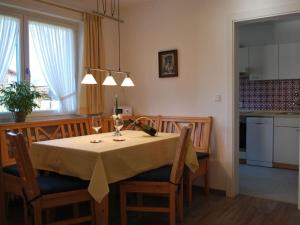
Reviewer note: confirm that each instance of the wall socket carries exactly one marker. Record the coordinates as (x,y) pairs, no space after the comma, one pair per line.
(218,98)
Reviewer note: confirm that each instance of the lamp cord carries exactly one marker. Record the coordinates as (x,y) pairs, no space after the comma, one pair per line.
(119,34)
(113,7)
(104,6)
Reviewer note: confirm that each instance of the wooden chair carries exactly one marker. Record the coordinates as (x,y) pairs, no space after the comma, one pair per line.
(44,192)
(201,144)
(201,132)
(34,131)
(166,180)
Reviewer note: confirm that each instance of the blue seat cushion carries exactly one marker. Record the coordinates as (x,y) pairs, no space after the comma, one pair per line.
(12,170)
(159,174)
(202,155)
(56,183)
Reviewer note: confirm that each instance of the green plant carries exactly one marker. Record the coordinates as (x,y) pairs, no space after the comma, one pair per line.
(19,97)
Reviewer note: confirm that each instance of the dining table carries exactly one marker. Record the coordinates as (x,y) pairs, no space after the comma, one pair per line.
(104,159)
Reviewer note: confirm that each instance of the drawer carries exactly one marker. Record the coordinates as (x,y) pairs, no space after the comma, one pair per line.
(286,122)
(260,120)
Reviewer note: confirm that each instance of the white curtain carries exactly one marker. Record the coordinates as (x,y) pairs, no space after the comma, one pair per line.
(54,46)
(9,33)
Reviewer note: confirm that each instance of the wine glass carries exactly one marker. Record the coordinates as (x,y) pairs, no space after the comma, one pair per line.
(96,123)
(119,123)
(96,126)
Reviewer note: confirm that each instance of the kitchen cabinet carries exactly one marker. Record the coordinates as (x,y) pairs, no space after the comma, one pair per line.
(263,62)
(243,60)
(286,140)
(259,141)
(289,58)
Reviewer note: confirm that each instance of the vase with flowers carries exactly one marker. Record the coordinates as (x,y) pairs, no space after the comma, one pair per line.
(117,117)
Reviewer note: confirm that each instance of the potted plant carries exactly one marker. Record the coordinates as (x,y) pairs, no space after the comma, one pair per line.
(18,98)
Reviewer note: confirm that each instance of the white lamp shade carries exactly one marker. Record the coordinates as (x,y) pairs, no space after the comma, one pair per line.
(127,82)
(109,81)
(88,79)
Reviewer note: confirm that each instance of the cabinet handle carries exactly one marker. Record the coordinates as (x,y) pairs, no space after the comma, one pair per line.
(259,123)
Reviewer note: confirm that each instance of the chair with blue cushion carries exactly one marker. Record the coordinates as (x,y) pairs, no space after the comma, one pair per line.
(12,183)
(44,192)
(201,143)
(166,181)
(201,140)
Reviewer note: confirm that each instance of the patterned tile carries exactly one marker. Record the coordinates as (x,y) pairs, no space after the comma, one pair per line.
(270,95)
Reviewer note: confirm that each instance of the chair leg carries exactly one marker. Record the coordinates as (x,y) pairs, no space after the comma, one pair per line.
(25,211)
(37,214)
(92,206)
(123,206)
(189,188)
(101,211)
(172,206)
(206,183)
(180,202)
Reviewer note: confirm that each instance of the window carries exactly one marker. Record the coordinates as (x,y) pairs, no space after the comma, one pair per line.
(9,50)
(46,51)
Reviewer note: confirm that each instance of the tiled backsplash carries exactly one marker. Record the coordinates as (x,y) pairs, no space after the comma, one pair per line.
(270,95)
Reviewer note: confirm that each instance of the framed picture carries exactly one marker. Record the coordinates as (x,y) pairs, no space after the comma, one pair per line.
(168,64)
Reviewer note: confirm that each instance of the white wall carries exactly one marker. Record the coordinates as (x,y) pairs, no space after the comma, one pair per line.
(202,32)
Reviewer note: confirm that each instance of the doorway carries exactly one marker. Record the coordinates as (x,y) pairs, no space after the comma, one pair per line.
(268,107)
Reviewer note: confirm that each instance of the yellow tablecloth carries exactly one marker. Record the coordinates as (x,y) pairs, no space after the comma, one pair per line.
(109,161)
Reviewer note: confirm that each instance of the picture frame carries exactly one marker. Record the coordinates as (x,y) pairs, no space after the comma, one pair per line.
(168,63)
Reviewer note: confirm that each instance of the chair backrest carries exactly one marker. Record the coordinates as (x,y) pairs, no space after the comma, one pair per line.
(201,129)
(24,164)
(40,131)
(180,155)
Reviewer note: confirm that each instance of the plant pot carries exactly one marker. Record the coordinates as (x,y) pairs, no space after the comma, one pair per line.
(19,116)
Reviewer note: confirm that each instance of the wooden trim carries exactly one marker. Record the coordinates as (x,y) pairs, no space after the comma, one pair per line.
(285,166)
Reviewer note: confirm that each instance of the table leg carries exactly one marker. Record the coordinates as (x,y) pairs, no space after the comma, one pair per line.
(101,211)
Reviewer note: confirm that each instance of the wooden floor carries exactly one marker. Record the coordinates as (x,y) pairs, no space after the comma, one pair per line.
(214,209)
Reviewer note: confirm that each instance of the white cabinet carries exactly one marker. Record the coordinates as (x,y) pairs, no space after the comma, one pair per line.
(243,60)
(286,140)
(289,61)
(263,62)
(259,141)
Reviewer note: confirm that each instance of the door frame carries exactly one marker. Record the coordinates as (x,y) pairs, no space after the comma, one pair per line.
(233,22)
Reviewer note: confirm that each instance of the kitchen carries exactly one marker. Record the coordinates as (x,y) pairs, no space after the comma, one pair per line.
(269,67)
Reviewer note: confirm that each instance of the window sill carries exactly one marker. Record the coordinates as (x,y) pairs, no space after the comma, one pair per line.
(40,116)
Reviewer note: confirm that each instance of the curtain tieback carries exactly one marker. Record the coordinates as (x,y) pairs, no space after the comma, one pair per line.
(67,96)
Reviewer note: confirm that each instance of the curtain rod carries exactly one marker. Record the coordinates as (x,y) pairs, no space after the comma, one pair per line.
(79,11)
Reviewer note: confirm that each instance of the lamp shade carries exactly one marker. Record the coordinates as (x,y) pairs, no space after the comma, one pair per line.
(109,81)
(127,82)
(88,79)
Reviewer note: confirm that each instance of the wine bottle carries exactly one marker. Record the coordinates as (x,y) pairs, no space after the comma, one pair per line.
(144,127)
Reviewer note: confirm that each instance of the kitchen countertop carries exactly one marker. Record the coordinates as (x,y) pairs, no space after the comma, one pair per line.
(295,114)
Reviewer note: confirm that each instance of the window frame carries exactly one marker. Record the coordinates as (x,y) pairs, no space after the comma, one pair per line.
(25,16)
